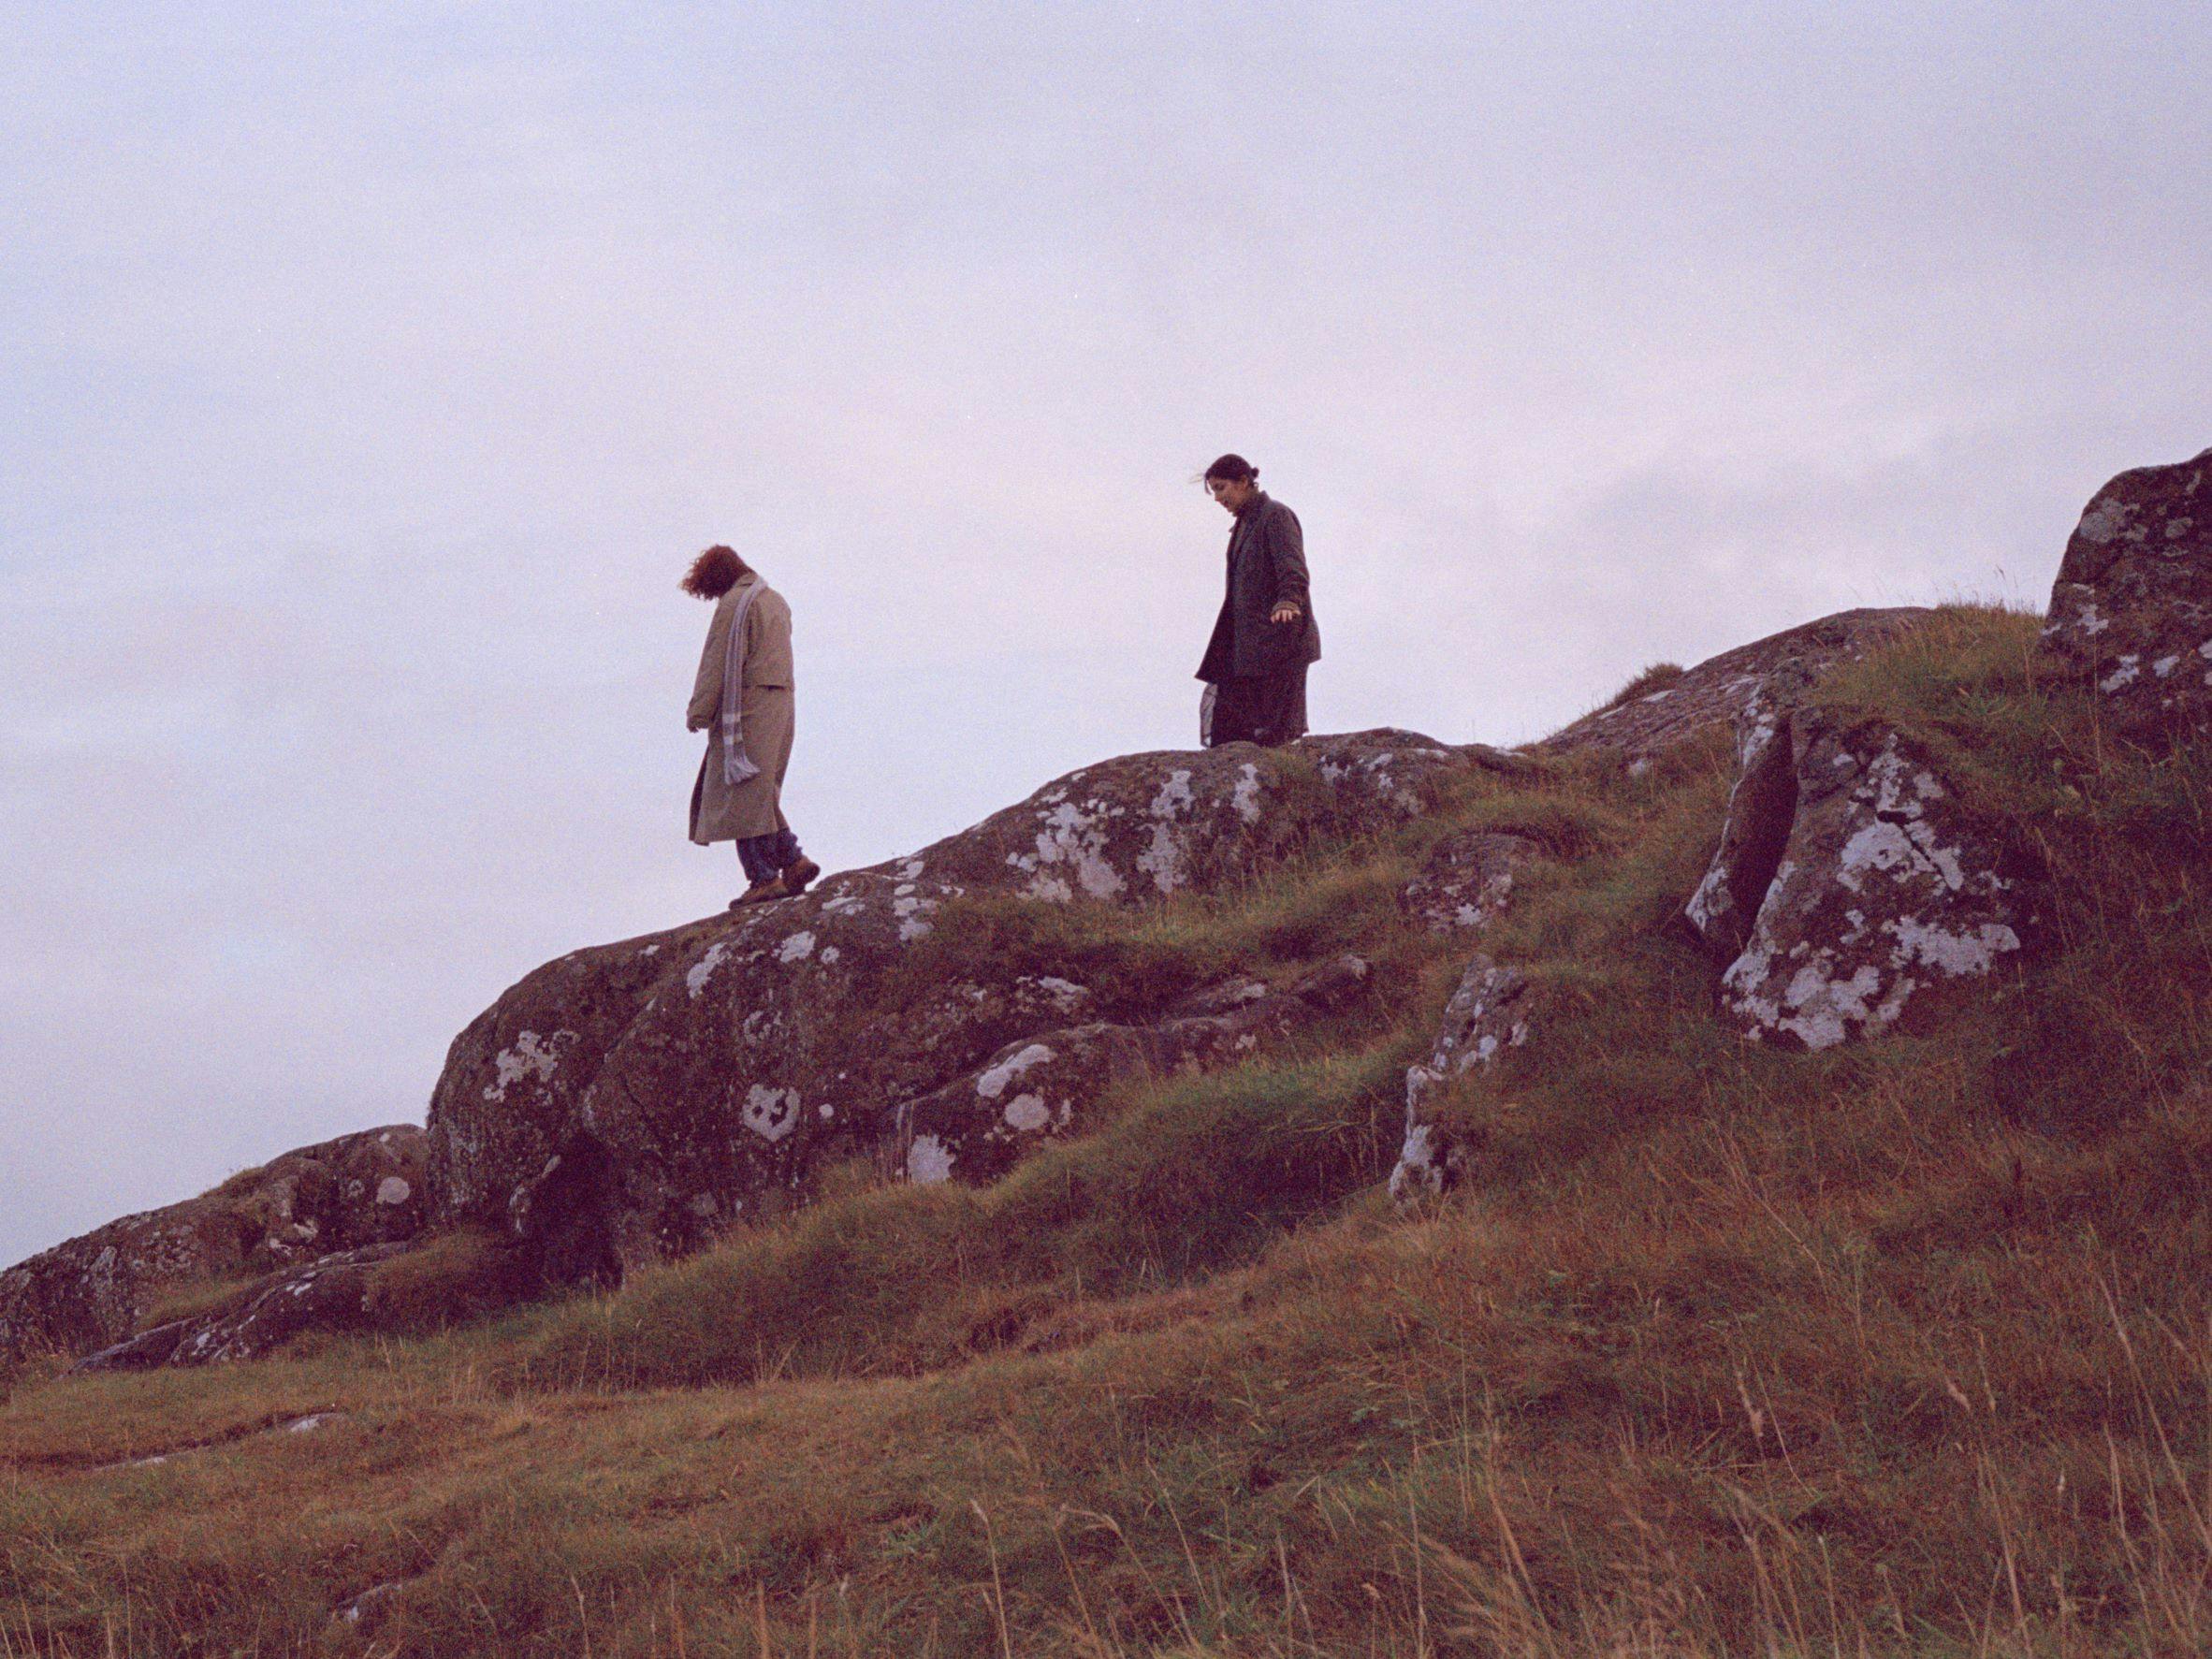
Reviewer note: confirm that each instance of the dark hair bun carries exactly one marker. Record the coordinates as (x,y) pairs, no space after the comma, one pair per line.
(1233,466)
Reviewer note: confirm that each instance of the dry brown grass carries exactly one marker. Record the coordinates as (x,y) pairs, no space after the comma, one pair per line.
(1898,1351)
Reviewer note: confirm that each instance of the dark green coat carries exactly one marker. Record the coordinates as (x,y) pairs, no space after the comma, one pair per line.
(1266,568)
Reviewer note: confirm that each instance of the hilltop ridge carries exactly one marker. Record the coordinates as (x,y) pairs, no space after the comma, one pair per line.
(1730,1177)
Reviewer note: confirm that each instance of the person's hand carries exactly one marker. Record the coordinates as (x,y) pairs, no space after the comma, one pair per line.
(1285,612)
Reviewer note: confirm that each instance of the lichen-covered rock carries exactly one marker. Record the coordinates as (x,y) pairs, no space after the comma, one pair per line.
(1717,691)
(1887,891)
(627,1103)
(1466,880)
(1145,825)
(1491,1014)
(90,1292)
(2132,609)
(515,1079)
(718,1064)
(1035,1089)
(1761,809)
(330,1293)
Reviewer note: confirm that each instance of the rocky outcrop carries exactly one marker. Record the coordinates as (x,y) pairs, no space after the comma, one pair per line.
(91,1291)
(1717,691)
(627,1103)
(2131,609)
(1040,1088)
(330,1293)
(1761,807)
(1467,879)
(1886,892)
(1492,1012)
(1466,882)
(1146,825)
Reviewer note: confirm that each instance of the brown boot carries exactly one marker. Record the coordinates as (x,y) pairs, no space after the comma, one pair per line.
(797,877)
(766,888)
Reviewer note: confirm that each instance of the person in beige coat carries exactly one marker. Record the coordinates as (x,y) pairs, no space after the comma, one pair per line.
(742,700)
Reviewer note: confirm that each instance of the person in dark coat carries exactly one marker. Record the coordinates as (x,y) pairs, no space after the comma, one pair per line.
(1265,636)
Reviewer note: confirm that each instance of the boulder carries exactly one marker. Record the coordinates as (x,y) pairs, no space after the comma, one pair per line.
(1717,692)
(1145,825)
(1490,1014)
(627,1103)
(1885,892)
(364,1188)
(1761,807)
(1037,1090)
(2131,609)
(718,1066)
(1466,880)
(330,1293)
(516,1077)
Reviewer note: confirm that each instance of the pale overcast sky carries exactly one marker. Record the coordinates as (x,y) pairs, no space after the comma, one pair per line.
(370,376)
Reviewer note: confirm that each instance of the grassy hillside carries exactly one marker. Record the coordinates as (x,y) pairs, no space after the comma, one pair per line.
(1901,1348)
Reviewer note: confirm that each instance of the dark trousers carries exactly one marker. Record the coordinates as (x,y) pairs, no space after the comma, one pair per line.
(1267,708)
(767,856)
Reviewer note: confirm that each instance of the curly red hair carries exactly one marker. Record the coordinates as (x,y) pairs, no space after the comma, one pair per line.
(714,572)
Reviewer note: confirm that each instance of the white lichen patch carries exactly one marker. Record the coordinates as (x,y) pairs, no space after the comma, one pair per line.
(1707,905)
(1174,797)
(994,1081)
(911,914)
(2102,522)
(696,976)
(1244,794)
(1027,1113)
(830,953)
(2125,673)
(770,1112)
(1417,1172)
(1164,859)
(1074,838)
(393,1189)
(929,1162)
(1955,951)
(1067,996)
(532,1057)
(797,948)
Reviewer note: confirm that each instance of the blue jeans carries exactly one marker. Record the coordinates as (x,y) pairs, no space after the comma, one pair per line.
(767,856)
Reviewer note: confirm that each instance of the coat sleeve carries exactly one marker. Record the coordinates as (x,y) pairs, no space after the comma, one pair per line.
(707,690)
(1285,553)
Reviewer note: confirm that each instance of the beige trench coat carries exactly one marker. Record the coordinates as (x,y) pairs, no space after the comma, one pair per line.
(722,811)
